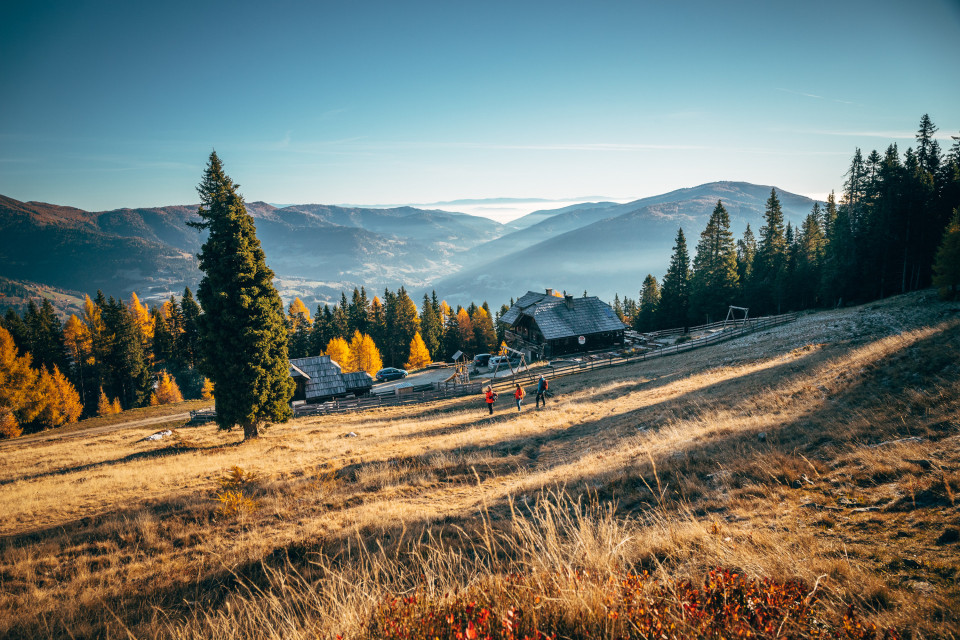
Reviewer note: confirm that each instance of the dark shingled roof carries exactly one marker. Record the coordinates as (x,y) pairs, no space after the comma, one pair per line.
(526,301)
(588,315)
(297,372)
(325,377)
(357,380)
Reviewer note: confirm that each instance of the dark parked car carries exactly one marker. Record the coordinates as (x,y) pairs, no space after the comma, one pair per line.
(481,359)
(390,374)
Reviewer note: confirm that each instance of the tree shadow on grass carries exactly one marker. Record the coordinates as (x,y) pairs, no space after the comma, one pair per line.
(807,433)
(173,449)
(783,373)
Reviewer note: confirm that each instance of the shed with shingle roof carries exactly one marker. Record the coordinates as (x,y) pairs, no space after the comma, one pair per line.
(545,325)
(318,378)
(358,382)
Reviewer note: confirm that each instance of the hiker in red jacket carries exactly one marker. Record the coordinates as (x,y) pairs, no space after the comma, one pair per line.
(518,396)
(491,397)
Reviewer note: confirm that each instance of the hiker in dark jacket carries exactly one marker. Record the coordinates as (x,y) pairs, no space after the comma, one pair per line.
(542,386)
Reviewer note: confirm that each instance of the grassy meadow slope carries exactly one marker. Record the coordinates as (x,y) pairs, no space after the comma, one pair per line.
(824,451)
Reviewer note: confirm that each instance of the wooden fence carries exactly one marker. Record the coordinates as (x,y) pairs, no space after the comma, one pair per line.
(557,371)
(427,393)
(417,395)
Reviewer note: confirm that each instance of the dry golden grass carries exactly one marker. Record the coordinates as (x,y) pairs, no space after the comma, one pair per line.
(827,451)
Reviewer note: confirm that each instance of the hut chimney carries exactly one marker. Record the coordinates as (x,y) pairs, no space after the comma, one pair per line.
(549,292)
(568,300)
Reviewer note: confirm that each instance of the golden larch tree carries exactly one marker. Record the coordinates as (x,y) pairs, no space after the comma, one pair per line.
(206,392)
(8,424)
(466,326)
(61,402)
(104,406)
(419,354)
(141,315)
(20,401)
(339,352)
(445,312)
(77,338)
(93,321)
(364,355)
(297,312)
(167,391)
(71,405)
(484,335)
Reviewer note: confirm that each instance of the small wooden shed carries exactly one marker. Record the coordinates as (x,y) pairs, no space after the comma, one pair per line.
(319,379)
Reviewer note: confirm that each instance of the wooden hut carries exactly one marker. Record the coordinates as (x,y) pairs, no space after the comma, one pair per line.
(319,379)
(543,325)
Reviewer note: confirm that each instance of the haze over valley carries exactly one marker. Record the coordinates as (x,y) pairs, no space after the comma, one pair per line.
(318,251)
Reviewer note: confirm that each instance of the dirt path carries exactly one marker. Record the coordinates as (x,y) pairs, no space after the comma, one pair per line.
(92,431)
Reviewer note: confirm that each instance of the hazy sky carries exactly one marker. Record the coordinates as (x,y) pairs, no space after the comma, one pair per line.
(114,104)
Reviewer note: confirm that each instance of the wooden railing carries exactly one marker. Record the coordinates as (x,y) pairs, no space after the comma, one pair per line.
(417,395)
(430,392)
(556,371)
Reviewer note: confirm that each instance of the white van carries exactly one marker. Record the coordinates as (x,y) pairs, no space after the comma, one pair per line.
(503,361)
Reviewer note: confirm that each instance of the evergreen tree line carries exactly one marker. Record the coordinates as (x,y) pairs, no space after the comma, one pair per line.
(118,355)
(399,334)
(895,229)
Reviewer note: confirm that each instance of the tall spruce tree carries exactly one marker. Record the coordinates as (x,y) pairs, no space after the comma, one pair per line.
(838,263)
(405,323)
(809,260)
(321,331)
(829,214)
(769,274)
(746,254)
(675,292)
(341,318)
(713,282)
(243,336)
(430,329)
(358,312)
(946,268)
(189,341)
(646,319)
(123,361)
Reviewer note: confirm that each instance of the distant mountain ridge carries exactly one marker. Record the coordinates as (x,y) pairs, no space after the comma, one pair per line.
(152,250)
(317,250)
(610,249)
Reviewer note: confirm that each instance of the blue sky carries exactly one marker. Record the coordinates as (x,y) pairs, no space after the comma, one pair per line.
(108,105)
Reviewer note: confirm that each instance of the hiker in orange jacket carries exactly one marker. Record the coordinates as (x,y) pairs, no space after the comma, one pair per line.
(491,397)
(518,396)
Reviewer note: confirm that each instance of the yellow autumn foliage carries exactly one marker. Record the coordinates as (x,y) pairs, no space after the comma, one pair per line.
(105,407)
(339,352)
(61,402)
(297,312)
(167,391)
(141,315)
(19,394)
(419,354)
(8,424)
(364,355)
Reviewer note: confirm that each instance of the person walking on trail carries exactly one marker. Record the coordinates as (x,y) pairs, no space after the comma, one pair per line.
(542,386)
(518,396)
(490,397)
